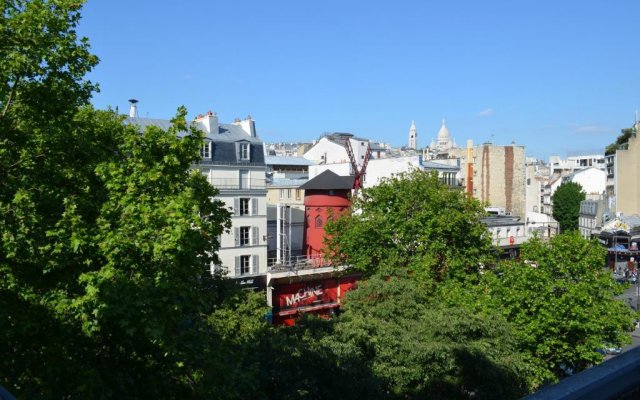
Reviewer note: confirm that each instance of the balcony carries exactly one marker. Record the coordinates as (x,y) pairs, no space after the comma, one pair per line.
(237,184)
(297,263)
(302,267)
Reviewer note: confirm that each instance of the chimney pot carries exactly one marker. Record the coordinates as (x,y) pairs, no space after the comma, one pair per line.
(133,109)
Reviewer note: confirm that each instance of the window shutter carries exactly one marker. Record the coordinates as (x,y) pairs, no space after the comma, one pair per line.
(254,206)
(237,265)
(238,155)
(236,206)
(256,236)
(255,268)
(236,234)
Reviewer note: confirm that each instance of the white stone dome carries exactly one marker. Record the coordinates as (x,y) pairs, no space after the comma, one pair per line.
(443,133)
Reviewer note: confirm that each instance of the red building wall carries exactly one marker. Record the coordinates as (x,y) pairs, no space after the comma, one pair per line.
(320,205)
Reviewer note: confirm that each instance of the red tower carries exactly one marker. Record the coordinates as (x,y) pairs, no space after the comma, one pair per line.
(326,196)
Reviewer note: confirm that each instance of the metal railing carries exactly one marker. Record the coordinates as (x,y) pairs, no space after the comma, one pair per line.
(237,184)
(298,263)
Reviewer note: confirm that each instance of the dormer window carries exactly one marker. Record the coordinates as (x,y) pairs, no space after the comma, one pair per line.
(244,153)
(205,151)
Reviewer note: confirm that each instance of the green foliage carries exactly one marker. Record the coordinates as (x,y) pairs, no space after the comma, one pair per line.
(561,304)
(105,233)
(566,205)
(43,60)
(625,135)
(416,346)
(411,222)
(309,361)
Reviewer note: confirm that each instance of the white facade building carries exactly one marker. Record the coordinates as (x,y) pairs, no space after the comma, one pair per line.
(560,167)
(330,149)
(593,181)
(233,162)
(379,169)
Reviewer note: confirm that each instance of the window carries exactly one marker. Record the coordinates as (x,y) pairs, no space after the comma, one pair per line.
(298,194)
(244,151)
(244,206)
(288,193)
(282,194)
(205,151)
(244,235)
(318,221)
(244,182)
(245,265)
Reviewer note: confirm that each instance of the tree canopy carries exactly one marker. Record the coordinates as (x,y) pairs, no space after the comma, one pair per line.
(105,233)
(561,302)
(417,346)
(625,135)
(566,205)
(412,222)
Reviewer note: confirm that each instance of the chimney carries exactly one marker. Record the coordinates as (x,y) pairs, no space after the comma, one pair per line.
(469,182)
(247,125)
(209,121)
(133,109)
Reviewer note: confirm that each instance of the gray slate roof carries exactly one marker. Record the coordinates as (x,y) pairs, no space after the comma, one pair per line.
(329,180)
(226,132)
(223,144)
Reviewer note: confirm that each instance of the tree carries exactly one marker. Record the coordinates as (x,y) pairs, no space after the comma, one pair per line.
(561,303)
(416,346)
(412,222)
(625,134)
(566,205)
(43,60)
(105,233)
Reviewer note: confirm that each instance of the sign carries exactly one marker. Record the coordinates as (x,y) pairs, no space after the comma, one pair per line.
(311,293)
(256,282)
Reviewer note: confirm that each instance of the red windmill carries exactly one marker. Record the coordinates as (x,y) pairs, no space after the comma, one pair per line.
(359,173)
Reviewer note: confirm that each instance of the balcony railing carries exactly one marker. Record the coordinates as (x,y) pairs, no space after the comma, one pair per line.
(298,263)
(237,184)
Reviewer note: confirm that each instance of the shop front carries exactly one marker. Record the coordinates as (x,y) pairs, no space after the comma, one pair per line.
(321,297)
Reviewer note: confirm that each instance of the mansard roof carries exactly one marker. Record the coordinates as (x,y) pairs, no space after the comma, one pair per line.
(226,132)
(224,144)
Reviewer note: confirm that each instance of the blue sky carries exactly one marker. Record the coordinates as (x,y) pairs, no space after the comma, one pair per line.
(560,77)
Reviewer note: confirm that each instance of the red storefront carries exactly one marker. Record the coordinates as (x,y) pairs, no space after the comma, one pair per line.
(320,297)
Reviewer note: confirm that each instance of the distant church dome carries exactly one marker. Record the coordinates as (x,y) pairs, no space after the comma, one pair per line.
(444,143)
(443,134)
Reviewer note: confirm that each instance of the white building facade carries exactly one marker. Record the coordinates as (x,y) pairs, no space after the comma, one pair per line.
(233,162)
